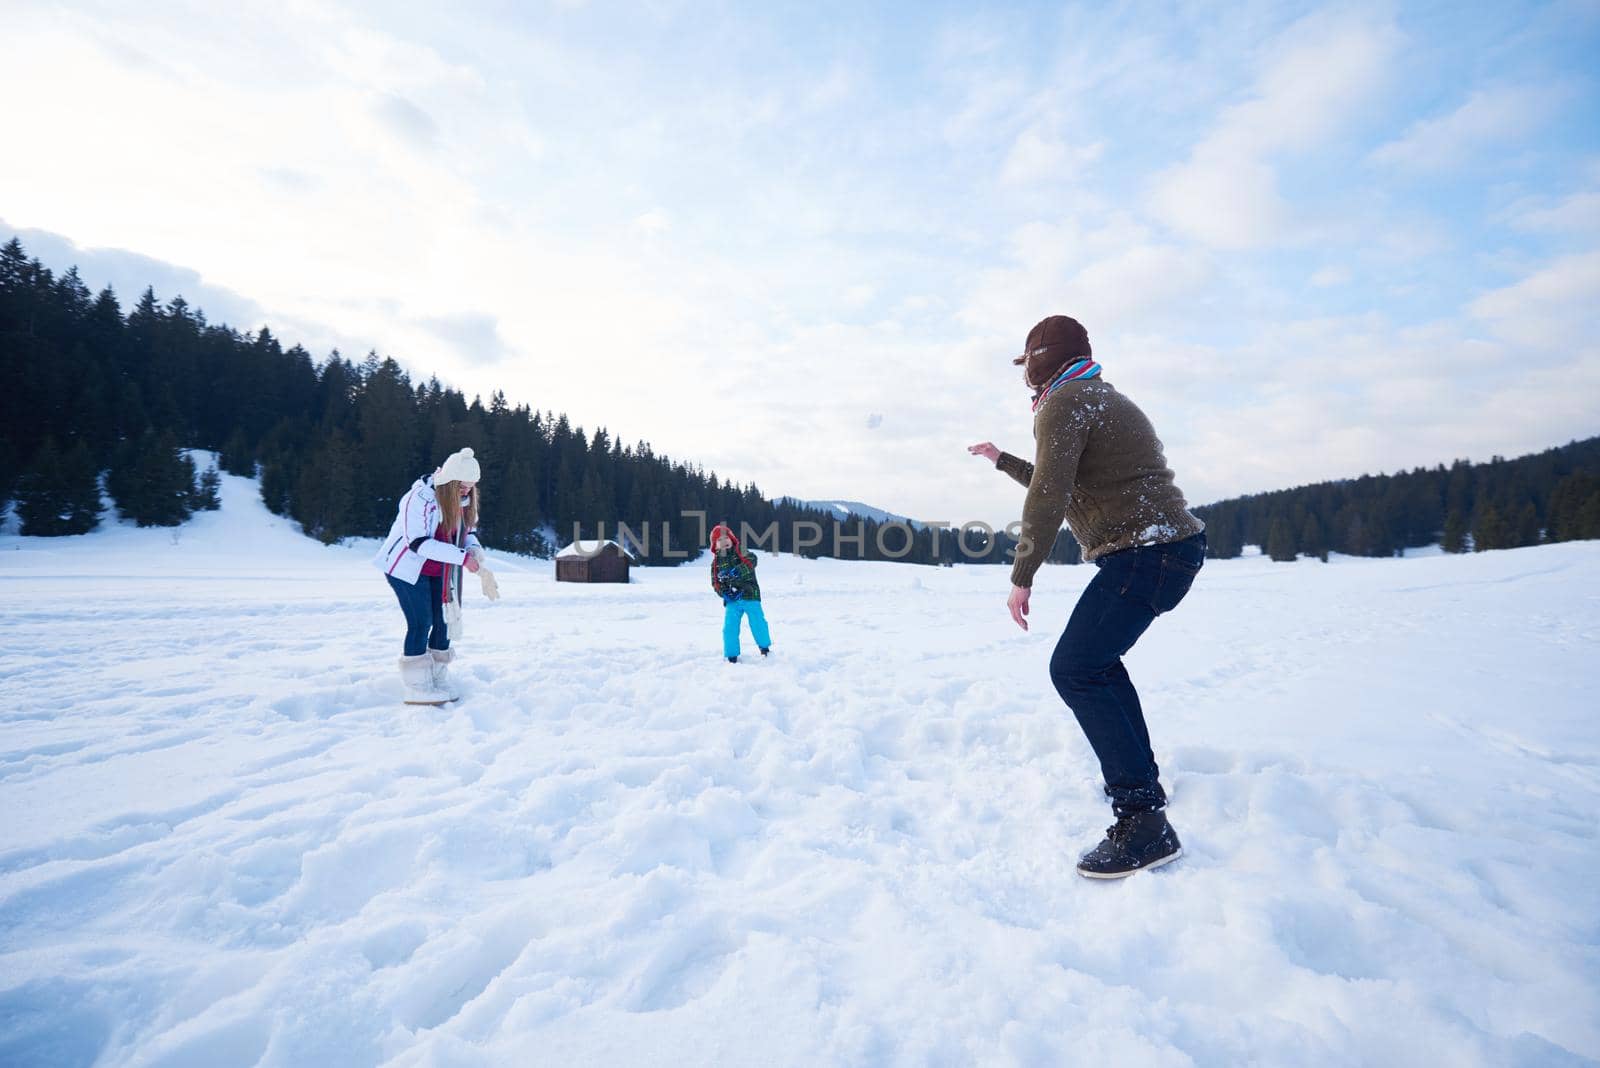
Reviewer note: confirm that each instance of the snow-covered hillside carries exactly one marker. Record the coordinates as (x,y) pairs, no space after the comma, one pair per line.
(227,843)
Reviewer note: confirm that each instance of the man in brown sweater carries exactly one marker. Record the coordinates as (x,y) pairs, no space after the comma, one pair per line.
(1099,465)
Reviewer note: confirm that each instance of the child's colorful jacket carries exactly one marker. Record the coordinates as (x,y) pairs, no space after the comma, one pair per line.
(733,571)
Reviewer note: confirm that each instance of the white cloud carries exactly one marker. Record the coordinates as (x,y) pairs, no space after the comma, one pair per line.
(1139,282)
(1321,71)
(129,273)
(1111,277)
(1038,155)
(859,296)
(1552,309)
(1575,214)
(1224,197)
(1331,276)
(408,122)
(474,335)
(1487,117)
(836,88)
(653,222)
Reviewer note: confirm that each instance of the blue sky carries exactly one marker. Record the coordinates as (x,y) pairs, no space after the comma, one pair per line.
(799,243)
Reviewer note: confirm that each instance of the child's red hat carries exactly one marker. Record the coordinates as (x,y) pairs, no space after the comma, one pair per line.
(723,528)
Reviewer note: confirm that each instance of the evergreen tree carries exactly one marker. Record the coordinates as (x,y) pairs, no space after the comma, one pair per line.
(9,473)
(277,485)
(1311,540)
(323,499)
(102,330)
(1587,523)
(60,494)
(132,419)
(1458,488)
(13,267)
(1525,530)
(1224,534)
(386,454)
(170,476)
(95,409)
(1489,530)
(1567,501)
(1280,540)
(1065,551)
(1353,524)
(511,520)
(208,493)
(237,458)
(1455,533)
(153,481)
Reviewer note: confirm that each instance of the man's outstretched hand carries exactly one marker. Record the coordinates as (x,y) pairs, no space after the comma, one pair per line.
(1018,604)
(986,450)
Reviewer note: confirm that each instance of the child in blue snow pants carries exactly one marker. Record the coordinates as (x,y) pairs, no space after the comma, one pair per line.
(733,578)
(735,611)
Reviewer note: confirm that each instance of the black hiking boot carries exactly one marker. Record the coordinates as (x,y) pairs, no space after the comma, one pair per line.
(733,660)
(767,650)
(1136,841)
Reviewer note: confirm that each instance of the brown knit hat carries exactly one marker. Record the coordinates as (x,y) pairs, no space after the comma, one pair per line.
(1052,344)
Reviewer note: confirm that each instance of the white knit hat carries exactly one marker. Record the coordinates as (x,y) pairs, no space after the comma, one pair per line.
(458,467)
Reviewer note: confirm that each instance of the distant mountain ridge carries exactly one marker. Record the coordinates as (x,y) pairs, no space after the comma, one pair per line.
(851,508)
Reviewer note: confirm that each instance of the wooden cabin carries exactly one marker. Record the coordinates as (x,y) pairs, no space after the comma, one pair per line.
(605,561)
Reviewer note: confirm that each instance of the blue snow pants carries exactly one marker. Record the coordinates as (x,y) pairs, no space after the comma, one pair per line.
(735,611)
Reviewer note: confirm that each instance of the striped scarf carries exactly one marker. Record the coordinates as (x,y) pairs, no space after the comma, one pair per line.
(1072,373)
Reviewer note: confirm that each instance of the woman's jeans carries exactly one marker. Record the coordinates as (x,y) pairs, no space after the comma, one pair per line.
(1132,588)
(423,603)
(731,615)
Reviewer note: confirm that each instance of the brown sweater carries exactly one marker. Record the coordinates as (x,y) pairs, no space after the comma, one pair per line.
(1100,465)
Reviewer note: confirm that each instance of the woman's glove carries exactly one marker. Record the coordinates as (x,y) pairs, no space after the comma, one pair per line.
(491,588)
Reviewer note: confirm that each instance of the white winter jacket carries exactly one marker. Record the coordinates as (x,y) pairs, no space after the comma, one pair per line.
(411,539)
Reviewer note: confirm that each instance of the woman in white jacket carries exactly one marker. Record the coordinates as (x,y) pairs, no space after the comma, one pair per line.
(433,536)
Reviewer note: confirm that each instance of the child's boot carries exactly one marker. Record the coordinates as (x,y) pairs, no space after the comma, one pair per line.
(441,672)
(416,672)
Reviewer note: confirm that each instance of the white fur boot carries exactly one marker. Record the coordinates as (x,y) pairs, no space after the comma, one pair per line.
(416,672)
(441,673)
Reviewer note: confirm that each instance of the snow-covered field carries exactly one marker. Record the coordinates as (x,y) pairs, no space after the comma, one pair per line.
(226,842)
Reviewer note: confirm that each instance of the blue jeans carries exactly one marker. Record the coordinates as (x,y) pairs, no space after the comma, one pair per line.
(735,611)
(1132,588)
(422,602)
